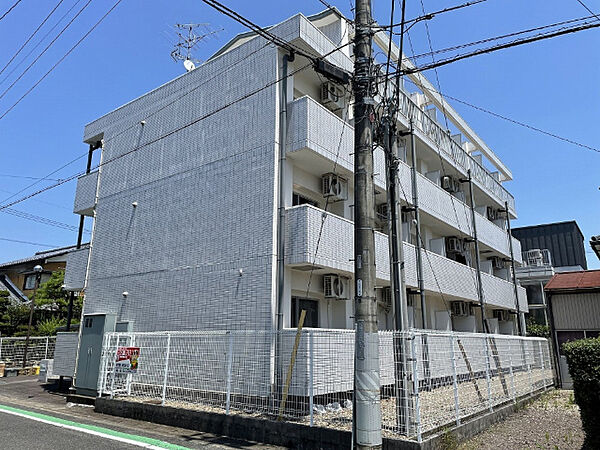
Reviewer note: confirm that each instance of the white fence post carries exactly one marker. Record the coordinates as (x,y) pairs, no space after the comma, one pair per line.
(129,376)
(454,380)
(0,349)
(512,376)
(529,369)
(229,370)
(166,375)
(46,354)
(311,355)
(415,375)
(487,372)
(542,365)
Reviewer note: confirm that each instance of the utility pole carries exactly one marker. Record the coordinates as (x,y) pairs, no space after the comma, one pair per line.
(367,407)
(38,275)
(514,273)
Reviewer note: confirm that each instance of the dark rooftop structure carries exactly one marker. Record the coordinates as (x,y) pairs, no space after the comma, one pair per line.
(564,240)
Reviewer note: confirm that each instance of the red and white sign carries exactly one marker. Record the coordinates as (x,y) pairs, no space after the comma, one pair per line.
(127,360)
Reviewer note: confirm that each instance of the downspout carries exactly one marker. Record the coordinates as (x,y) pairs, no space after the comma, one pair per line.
(554,341)
(281,217)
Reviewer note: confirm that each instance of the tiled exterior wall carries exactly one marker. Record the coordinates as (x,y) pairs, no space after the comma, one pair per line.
(204,198)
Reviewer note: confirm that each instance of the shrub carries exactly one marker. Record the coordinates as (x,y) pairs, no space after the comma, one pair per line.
(583,358)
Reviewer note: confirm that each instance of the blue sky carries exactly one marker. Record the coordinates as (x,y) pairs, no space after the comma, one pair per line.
(551,84)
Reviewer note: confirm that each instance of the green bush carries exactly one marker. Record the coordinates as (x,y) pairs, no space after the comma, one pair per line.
(583,358)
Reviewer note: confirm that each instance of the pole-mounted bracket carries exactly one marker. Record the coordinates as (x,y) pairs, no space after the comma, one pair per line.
(408,209)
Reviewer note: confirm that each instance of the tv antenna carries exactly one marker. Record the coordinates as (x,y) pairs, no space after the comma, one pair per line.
(190,34)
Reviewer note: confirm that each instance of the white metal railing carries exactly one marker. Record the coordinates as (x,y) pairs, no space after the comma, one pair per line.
(442,140)
(429,379)
(12,350)
(537,258)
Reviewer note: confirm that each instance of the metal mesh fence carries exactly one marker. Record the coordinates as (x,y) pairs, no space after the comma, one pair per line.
(429,380)
(12,350)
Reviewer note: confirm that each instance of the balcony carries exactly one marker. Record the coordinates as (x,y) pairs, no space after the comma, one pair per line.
(454,280)
(315,139)
(85,195)
(440,204)
(75,272)
(428,130)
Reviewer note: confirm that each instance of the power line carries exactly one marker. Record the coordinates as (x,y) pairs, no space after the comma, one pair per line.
(27,177)
(10,9)
(333,9)
(63,58)
(41,219)
(45,49)
(58,22)
(588,9)
(496,38)
(525,125)
(193,122)
(46,177)
(515,43)
(31,36)
(26,242)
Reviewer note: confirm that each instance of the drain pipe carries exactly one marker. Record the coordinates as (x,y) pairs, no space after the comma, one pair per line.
(283,103)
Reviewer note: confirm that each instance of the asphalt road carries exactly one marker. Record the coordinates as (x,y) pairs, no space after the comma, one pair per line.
(19,433)
(26,406)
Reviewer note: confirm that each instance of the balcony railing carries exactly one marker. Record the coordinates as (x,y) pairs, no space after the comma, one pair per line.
(442,140)
(335,251)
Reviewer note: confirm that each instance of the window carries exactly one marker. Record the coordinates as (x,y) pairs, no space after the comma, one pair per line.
(88,322)
(298,199)
(312,312)
(29,282)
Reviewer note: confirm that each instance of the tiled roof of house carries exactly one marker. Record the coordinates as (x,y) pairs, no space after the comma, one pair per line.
(587,279)
(42,255)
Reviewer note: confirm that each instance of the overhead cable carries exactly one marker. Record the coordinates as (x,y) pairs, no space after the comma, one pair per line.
(31,36)
(61,59)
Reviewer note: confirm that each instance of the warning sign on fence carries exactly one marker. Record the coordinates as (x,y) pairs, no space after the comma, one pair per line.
(127,359)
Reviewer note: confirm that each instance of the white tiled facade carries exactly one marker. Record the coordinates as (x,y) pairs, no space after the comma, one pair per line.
(185,201)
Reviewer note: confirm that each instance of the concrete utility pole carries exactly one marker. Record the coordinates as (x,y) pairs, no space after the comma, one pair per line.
(367,408)
(38,276)
(514,273)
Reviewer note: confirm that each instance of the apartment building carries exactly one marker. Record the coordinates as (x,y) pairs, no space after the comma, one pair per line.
(187,199)
(547,249)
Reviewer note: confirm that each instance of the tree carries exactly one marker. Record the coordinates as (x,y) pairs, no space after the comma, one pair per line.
(52,296)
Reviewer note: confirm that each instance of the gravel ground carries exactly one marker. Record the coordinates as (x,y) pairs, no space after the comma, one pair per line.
(550,422)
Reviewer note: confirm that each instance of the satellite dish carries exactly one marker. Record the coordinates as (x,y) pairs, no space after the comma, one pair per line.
(189,65)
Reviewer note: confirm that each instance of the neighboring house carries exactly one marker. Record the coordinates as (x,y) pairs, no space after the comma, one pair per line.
(573,310)
(18,277)
(186,202)
(547,249)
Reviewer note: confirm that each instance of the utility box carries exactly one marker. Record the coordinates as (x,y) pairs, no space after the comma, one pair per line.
(90,350)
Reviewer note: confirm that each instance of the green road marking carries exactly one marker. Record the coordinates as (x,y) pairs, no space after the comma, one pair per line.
(133,437)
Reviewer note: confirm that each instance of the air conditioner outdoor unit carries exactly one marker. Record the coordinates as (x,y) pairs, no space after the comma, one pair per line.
(492,213)
(497,262)
(454,245)
(332,96)
(460,309)
(335,286)
(502,315)
(334,186)
(450,184)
